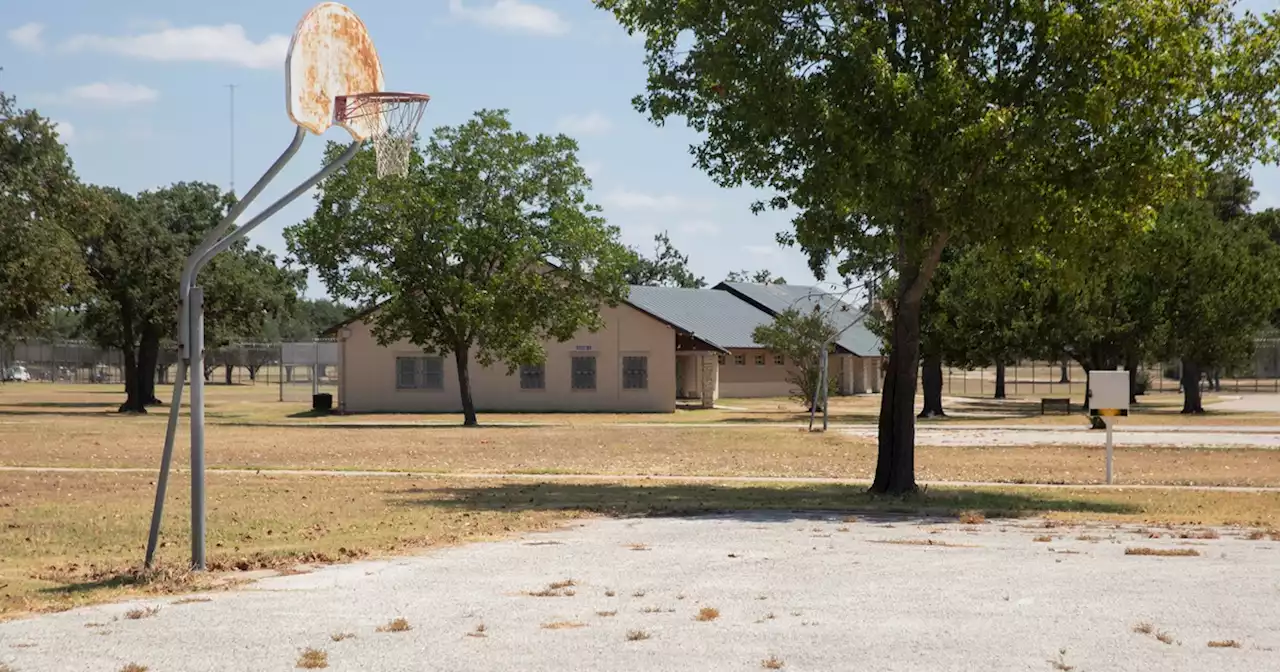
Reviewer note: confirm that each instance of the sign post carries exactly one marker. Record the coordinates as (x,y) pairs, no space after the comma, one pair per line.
(1108,398)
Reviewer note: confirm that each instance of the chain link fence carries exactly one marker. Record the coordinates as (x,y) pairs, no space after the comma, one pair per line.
(1035,379)
(295,370)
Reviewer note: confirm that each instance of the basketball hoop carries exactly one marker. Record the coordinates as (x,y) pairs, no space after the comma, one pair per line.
(393,117)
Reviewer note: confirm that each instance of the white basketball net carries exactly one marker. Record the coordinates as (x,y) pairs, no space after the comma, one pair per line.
(395,118)
(393,139)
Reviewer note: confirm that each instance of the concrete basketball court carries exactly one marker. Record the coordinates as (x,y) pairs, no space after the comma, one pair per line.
(811,592)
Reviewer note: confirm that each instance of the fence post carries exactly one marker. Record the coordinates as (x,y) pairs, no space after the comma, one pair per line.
(281,371)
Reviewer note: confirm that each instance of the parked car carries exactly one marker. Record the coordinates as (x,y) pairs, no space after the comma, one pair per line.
(17,373)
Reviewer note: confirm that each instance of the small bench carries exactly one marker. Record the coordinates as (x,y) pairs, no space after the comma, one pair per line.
(1050,403)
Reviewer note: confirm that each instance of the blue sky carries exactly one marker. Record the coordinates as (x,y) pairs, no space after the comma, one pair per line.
(139,88)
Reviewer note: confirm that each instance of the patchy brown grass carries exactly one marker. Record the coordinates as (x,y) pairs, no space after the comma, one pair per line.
(140,613)
(606,614)
(1203,533)
(638,593)
(1043,538)
(707,614)
(396,625)
(1224,644)
(313,659)
(340,636)
(637,635)
(1144,628)
(93,436)
(1164,637)
(610,593)
(1163,552)
(972,517)
(772,663)
(563,625)
(134,667)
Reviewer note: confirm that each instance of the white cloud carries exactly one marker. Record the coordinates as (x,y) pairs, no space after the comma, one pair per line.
(66,132)
(622,199)
(215,44)
(28,36)
(513,15)
(119,94)
(592,123)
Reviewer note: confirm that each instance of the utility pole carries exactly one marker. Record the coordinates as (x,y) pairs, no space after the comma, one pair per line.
(232,89)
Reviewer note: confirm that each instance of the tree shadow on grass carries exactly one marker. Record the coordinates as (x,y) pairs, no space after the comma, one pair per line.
(686,499)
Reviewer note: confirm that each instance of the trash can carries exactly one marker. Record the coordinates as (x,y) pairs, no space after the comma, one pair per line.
(322,403)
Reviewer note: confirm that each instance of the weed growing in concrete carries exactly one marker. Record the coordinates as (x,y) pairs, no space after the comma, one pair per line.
(1043,538)
(972,517)
(191,600)
(134,667)
(339,636)
(1060,663)
(563,625)
(1224,644)
(637,635)
(772,663)
(1163,552)
(139,614)
(397,625)
(606,614)
(480,631)
(707,614)
(313,659)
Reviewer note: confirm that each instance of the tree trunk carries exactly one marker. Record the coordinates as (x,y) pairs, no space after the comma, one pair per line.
(253,373)
(1131,365)
(931,381)
(462,356)
(1065,377)
(148,355)
(1000,370)
(288,374)
(1191,387)
(133,402)
(228,374)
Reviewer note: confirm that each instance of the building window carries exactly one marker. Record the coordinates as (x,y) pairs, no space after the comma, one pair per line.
(740,360)
(779,360)
(584,372)
(419,373)
(533,377)
(721,359)
(759,360)
(635,373)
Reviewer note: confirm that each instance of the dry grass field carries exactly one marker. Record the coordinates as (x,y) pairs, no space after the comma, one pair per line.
(76,537)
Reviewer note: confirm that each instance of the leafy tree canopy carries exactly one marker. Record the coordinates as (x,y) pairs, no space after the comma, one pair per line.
(39,264)
(667,268)
(761,277)
(487,248)
(799,336)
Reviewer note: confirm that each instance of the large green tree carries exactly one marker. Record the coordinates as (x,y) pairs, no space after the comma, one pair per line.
(487,248)
(39,263)
(895,128)
(134,249)
(1220,285)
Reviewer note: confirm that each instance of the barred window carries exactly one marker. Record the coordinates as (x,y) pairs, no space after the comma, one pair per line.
(759,360)
(584,372)
(635,373)
(419,373)
(779,360)
(721,358)
(533,377)
(740,360)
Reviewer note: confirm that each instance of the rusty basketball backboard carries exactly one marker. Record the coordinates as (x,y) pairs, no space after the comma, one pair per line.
(331,55)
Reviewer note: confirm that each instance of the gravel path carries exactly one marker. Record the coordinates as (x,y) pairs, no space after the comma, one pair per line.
(815,592)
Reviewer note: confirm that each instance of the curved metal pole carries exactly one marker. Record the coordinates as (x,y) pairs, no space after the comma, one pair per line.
(272,209)
(184,290)
(196,328)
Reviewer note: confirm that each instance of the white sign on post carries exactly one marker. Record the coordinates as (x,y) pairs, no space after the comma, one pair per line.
(1108,398)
